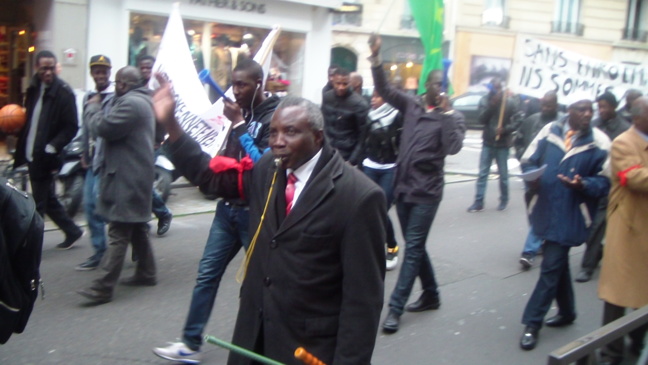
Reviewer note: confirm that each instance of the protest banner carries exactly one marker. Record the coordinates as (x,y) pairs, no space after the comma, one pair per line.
(198,118)
(539,67)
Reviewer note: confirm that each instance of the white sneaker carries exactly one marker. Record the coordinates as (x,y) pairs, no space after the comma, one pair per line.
(178,351)
(392,258)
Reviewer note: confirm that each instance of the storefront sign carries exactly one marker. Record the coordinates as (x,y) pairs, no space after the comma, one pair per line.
(539,67)
(240,5)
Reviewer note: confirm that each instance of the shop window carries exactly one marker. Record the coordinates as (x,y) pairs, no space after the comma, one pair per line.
(494,13)
(635,29)
(567,16)
(350,13)
(219,46)
(407,19)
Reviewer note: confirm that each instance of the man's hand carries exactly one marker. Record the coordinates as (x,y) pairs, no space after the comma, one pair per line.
(164,107)
(232,111)
(96,98)
(575,183)
(374,44)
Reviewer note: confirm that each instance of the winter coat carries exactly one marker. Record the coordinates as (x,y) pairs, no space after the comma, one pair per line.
(57,126)
(344,123)
(489,118)
(625,260)
(127,172)
(613,127)
(315,277)
(427,138)
(384,128)
(559,213)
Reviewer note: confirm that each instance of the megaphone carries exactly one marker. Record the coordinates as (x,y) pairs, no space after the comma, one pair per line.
(205,78)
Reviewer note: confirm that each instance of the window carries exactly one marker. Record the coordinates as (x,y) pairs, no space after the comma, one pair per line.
(566,17)
(350,13)
(494,13)
(635,29)
(407,19)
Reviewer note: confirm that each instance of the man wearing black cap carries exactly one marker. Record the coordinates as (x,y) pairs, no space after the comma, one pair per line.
(51,124)
(563,201)
(612,124)
(92,158)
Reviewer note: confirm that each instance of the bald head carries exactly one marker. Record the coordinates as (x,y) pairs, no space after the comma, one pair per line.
(127,79)
(639,113)
(632,95)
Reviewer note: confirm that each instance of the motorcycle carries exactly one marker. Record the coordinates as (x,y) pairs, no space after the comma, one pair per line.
(72,177)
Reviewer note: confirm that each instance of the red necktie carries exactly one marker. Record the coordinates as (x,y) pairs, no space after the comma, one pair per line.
(290,191)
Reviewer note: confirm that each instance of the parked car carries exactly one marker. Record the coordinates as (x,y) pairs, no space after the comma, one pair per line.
(468,104)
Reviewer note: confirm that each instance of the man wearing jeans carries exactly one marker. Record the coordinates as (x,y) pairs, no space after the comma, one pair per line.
(229,230)
(92,158)
(496,142)
(431,131)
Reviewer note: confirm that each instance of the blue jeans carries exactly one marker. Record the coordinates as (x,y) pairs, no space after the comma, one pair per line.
(384,179)
(500,154)
(159,208)
(554,283)
(96,224)
(228,232)
(532,243)
(415,220)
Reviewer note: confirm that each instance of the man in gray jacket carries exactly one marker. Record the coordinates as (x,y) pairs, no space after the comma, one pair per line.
(127,175)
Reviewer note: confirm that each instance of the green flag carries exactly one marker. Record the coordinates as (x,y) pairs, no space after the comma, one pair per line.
(428,15)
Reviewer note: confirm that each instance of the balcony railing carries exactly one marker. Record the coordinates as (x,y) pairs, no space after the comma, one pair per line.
(634,34)
(567,27)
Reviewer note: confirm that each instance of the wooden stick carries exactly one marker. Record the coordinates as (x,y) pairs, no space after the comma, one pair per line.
(501,114)
(306,357)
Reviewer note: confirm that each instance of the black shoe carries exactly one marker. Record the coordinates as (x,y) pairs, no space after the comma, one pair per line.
(502,206)
(426,301)
(70,240)
(90,264)
(529,338)
(135,281)
(95,296)
(584,276)
(164,223)
(559,321)
(391,322)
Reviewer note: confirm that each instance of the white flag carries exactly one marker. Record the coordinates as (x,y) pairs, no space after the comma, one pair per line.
(174,61)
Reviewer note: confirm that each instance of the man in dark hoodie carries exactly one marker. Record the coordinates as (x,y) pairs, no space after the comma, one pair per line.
(126,175)
(345,116)
(250,117)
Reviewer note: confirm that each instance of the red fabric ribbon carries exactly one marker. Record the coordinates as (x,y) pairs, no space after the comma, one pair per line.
(220,164)
(623,175)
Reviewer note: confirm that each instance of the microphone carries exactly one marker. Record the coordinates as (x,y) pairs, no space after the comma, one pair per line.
(206,78)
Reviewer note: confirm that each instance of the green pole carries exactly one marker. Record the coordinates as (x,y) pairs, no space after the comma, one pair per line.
(241,351)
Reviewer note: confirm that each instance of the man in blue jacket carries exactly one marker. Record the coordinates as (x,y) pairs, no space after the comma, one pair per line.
(564,202)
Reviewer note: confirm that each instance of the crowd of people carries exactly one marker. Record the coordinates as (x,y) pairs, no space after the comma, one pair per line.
(314,278)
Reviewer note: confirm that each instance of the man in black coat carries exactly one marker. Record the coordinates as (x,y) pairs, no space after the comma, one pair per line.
(315,271)
(51,124)
(345,117)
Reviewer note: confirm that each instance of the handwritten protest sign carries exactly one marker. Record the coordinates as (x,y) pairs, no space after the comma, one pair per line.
(200,119)
(539,67)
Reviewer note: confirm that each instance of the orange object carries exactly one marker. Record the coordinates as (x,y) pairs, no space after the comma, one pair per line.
(306,357)
(12,118)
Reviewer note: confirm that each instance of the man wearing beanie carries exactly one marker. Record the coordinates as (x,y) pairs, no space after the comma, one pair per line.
(612,124)
(563,202)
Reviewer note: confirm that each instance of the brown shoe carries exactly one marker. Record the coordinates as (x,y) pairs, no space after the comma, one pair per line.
(95,296)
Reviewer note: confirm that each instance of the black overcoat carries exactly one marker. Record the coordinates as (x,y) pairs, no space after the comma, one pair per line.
(316,277)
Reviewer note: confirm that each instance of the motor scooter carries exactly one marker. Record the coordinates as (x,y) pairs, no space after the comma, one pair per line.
(72,177)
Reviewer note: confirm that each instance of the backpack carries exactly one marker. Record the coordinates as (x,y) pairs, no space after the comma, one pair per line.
(21,242)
